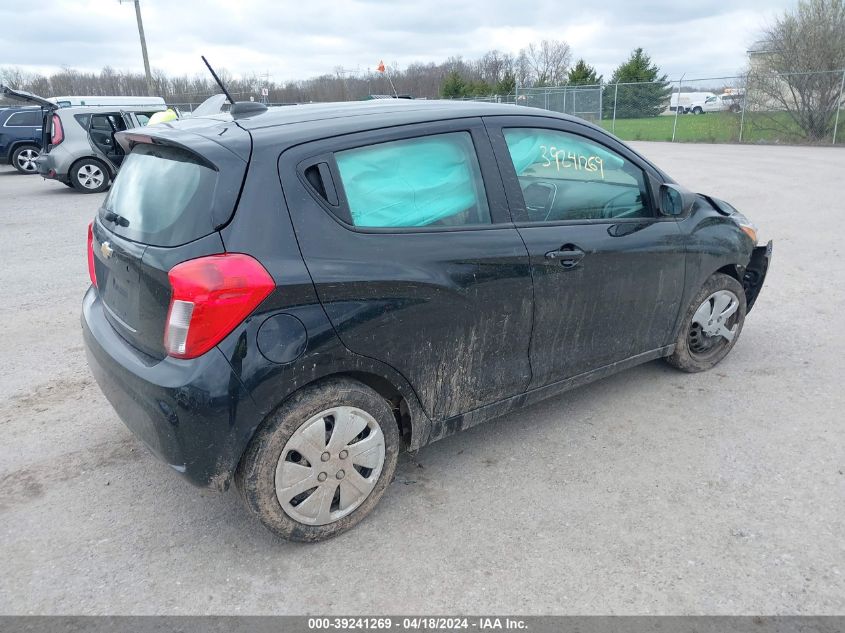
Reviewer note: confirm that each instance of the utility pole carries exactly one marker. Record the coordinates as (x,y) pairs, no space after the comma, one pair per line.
(137,3)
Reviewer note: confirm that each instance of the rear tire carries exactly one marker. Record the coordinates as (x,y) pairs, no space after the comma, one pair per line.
(707,335)
(302,476)
(23,158)
(89,175)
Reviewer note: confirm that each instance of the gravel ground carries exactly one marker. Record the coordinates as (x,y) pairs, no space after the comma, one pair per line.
(649,492)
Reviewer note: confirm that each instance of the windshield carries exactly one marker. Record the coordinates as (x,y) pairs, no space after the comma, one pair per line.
(162,196)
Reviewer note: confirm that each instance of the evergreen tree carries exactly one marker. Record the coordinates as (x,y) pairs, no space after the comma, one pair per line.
(506,85)
(636,101)
(582,74)
(479,88)
(453,86)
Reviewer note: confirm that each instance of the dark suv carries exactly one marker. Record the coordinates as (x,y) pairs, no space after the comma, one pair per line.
(288,298)
(20,137)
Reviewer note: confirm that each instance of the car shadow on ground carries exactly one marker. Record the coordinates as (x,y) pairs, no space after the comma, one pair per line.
(419,477)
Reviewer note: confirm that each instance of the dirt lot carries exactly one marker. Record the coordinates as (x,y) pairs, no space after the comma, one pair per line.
(650,492)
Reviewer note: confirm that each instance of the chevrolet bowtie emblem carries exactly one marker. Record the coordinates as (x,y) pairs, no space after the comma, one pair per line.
(106,250)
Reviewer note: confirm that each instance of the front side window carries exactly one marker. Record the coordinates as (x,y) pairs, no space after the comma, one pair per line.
(568,177)
(428,181)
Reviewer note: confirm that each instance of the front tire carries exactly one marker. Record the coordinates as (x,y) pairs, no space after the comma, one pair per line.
(23,158)
(697,110)
(321,462)
(89,175)
(711,326)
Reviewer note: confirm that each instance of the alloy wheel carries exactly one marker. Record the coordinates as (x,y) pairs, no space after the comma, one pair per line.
(90,176)
(26,159)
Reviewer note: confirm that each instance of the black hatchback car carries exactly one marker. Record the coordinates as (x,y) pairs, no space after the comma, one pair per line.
(287,298)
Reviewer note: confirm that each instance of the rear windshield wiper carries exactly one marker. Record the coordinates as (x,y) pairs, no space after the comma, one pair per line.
(119,220)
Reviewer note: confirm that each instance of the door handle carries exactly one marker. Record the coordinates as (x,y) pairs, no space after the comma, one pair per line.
(569,255)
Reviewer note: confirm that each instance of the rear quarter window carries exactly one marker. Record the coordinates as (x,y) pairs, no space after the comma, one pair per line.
(30,118)
(162,196)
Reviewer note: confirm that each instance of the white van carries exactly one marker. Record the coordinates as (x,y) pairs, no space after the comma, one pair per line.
(72,101)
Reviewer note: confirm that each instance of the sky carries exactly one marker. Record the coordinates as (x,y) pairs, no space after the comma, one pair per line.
(301,39)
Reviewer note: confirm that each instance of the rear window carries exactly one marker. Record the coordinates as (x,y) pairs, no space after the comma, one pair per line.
(162,196)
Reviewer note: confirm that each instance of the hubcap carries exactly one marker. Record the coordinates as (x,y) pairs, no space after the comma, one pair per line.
(26,159)
(90,176)
(330,465)
(713,322)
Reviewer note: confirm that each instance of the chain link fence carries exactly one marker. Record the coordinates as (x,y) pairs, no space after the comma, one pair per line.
(751,108)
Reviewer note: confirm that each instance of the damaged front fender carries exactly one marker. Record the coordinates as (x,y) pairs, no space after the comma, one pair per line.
(755,273)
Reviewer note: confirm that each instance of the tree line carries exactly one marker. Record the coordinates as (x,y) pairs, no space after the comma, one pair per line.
(547,63)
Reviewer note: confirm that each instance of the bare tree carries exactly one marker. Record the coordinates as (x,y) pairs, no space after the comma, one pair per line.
(522,70)
(492,66)
(549,61)
(798,67)
(481,76)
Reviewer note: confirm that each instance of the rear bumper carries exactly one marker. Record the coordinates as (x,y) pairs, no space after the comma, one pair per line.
(755,273)
(46,166)
(192,414)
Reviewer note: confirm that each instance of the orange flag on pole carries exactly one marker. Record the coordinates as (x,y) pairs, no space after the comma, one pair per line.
(380,66)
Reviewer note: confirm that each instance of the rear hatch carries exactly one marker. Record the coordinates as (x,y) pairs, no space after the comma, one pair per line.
(175,190)
(47,107)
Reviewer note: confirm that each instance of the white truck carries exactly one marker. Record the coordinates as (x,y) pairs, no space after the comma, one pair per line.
(727,102)
(687,102)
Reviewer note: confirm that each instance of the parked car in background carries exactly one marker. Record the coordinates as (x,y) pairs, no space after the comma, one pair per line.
(687,102)
(20,137)
(81,150)
(287,298)
(77,144)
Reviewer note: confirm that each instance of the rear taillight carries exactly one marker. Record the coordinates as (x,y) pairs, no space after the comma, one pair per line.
(58,132)
(210,297)
(91,272)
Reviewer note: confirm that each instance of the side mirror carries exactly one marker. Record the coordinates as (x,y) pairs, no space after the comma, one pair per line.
(675,200)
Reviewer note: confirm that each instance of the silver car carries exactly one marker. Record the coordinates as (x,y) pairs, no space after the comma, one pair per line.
(78,144)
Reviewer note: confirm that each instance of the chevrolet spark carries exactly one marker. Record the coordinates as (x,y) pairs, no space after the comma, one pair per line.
(287,298)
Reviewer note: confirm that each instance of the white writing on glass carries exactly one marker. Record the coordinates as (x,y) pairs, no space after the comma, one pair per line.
(571,160)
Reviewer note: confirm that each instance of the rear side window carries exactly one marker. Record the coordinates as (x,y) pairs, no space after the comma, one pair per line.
(30,118)
(427,181)
(163,196)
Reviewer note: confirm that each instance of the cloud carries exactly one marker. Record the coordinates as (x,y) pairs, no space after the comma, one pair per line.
(296,40)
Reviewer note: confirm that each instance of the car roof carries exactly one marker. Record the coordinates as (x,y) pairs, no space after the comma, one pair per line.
(388,111)
(298,123)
